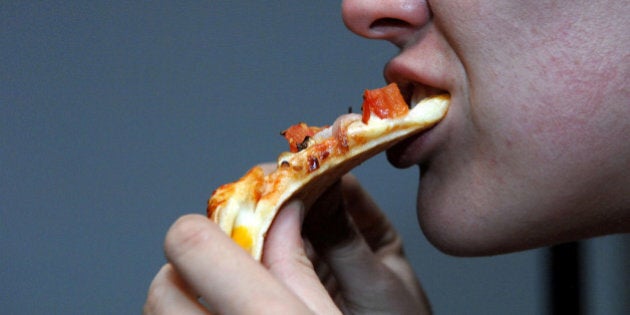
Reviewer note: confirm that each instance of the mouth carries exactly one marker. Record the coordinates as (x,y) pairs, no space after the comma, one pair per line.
(414,150)
(414,93)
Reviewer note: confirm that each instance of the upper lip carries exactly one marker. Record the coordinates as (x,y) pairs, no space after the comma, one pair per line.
(420,77)
(415,83)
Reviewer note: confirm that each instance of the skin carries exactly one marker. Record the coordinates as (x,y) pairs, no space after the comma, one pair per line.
(533,152)
(537,129)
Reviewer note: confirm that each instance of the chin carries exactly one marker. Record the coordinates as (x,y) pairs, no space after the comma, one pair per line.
(462,240)
(459,227)
(452,239)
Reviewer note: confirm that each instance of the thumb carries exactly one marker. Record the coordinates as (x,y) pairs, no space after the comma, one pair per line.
(285,257)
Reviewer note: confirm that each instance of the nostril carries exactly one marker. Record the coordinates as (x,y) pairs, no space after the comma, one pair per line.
(388,23)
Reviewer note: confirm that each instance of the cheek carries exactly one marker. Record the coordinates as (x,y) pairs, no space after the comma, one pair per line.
(548,102)
(550,132)
(542,132)
(519,168)
(520,155)
(564,113)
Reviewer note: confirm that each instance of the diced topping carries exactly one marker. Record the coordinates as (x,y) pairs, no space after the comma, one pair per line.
(297,136)
(386,102)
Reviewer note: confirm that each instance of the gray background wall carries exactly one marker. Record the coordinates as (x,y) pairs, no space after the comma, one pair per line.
(118,117)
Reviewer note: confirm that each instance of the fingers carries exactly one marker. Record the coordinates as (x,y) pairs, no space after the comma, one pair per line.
(336,239)
(365,256)
(168,294)
(227,278)
(371,222)
(378,232)
(285,257)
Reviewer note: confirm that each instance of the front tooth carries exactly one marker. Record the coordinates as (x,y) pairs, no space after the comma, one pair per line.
(418,95)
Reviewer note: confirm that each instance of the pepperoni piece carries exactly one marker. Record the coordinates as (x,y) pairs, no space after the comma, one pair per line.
(298,134)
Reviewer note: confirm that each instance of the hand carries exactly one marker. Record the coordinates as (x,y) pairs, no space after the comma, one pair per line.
(207,272)
(358,255)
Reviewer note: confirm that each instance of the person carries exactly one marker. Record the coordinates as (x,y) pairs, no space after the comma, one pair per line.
(533,152)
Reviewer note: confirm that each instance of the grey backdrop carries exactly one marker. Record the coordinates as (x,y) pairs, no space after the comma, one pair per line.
(118,117)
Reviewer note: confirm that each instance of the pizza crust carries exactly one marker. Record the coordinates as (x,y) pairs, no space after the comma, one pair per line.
(246,208)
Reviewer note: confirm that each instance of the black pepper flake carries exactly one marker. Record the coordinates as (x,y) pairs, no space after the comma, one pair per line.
(313,163)
(285,164)
(304,144)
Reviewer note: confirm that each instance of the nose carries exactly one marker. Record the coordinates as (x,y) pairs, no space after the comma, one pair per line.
(394,20)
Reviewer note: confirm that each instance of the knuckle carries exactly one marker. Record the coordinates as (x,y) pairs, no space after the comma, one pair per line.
(290,266)
(188,233)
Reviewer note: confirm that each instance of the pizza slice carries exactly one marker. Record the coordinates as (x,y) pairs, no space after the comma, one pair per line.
(318,157)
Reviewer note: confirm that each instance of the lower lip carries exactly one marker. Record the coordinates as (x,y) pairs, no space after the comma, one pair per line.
(416,149)
(411,151)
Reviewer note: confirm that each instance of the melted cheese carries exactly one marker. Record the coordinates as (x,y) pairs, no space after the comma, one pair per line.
(243,237)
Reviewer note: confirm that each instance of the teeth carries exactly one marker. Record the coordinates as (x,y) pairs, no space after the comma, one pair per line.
(422,92)
(418,95)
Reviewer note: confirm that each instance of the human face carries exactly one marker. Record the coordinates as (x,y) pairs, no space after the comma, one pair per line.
(534,148)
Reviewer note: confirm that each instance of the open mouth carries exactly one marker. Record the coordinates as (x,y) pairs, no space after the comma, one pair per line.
(413,150)
(413,93)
